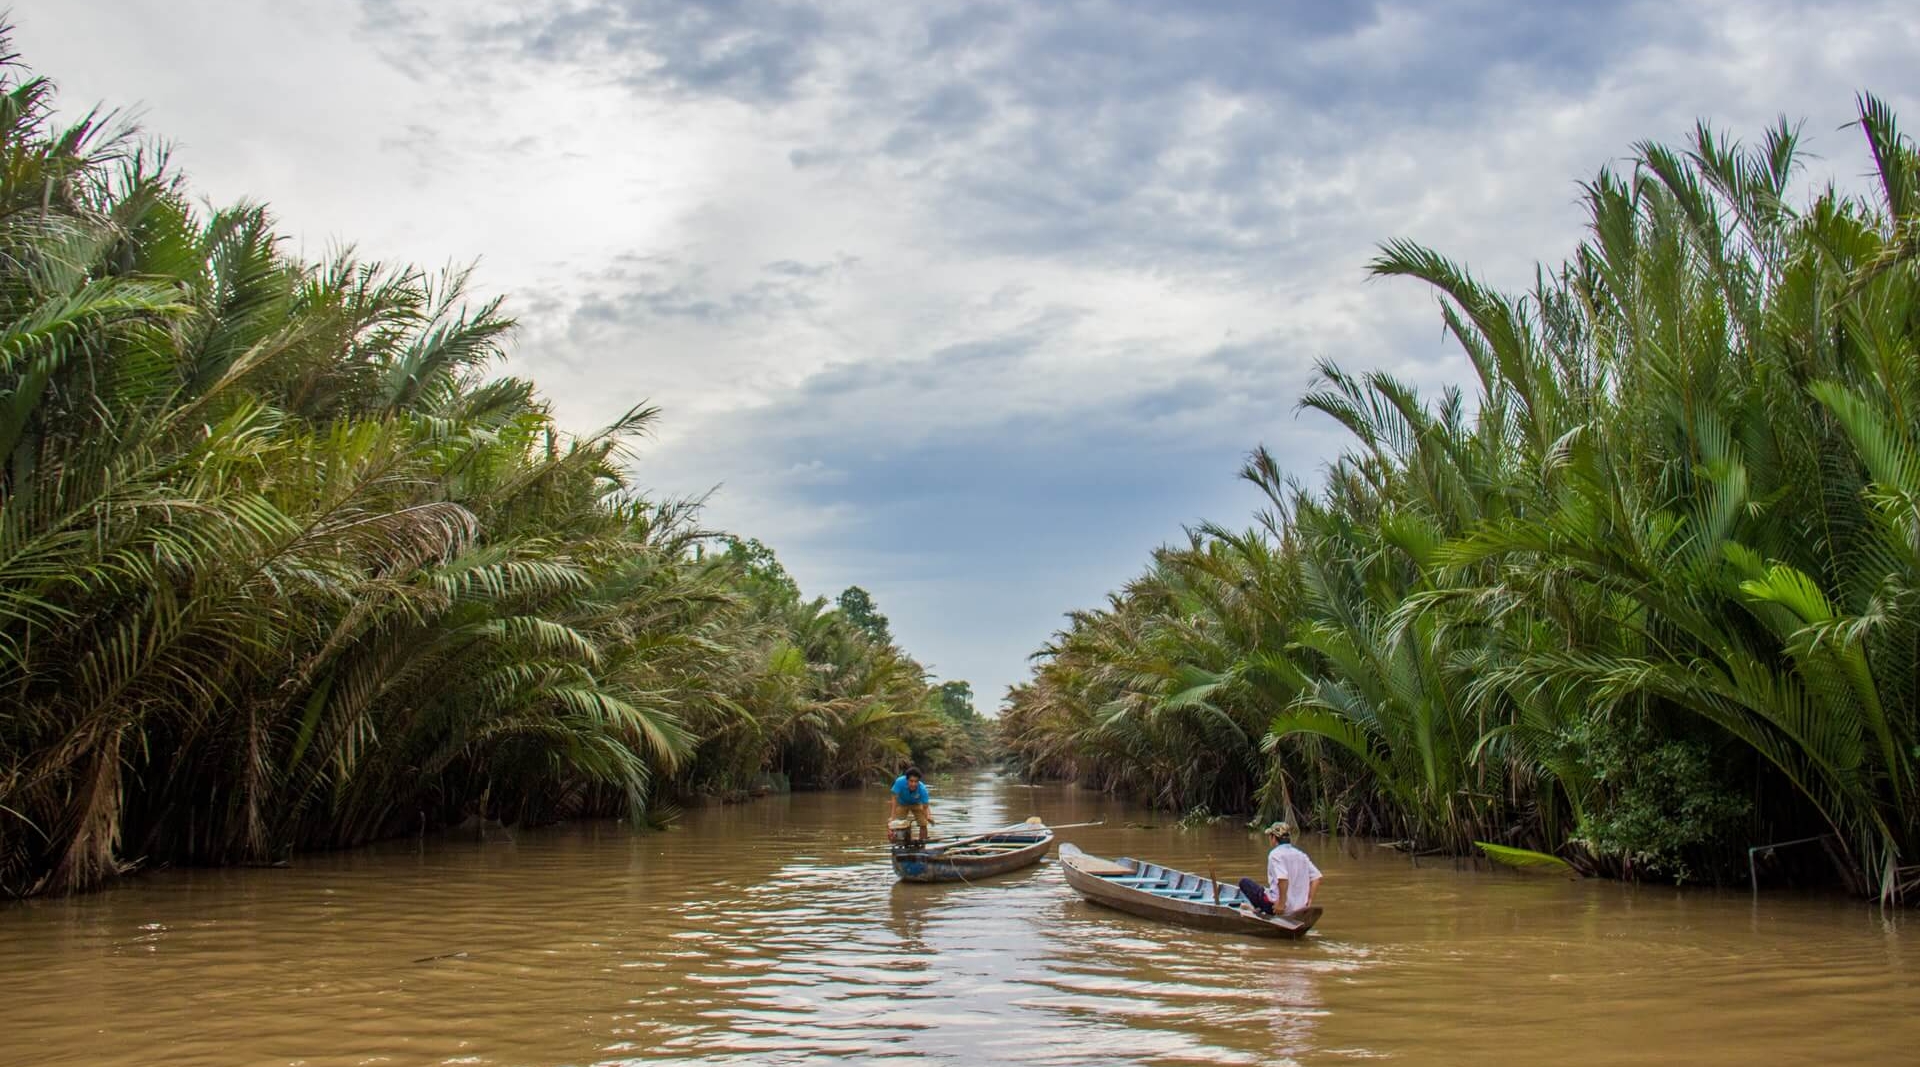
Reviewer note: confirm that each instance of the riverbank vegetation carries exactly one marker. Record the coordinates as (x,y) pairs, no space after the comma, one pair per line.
(284,564)
(1643,595)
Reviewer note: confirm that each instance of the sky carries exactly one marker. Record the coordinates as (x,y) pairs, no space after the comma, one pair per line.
(971,304)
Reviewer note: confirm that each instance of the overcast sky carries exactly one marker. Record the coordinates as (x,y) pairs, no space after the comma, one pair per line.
(971,304)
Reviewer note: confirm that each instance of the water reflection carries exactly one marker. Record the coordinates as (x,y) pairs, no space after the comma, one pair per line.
(908,908)
(775,933)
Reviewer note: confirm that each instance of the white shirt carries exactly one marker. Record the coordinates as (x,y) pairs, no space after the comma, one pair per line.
(1292,865)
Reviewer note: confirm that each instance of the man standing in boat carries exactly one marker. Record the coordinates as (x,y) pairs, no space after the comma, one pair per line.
(910,799)
(1292,879)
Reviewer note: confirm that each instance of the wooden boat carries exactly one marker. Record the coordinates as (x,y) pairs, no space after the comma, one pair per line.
(969,859)
(1158,892)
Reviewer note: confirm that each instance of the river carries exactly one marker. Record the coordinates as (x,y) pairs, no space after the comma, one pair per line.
(773,932)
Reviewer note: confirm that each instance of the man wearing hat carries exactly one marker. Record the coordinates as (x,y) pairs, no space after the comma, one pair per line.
(1292,878)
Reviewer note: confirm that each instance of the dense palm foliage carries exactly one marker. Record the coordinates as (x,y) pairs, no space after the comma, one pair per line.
(1649,595)
(282,566)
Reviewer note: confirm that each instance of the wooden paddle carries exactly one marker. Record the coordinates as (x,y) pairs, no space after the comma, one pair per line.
(1214,880)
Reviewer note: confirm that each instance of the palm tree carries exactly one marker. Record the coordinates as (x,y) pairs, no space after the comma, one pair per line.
(283,564)
(1644,595)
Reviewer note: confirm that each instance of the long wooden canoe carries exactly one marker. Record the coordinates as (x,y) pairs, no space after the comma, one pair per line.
(970,859)
(1158,892)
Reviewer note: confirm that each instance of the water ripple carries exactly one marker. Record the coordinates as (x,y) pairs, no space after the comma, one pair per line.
(775,933)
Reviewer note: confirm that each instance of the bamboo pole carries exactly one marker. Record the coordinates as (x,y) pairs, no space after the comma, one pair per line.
(945,845)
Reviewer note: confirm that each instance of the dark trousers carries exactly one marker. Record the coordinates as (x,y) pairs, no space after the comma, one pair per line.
(1256,895)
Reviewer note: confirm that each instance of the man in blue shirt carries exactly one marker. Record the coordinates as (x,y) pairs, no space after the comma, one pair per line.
(910,799)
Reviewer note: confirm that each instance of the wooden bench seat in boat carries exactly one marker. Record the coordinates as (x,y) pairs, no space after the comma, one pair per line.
(1104,868)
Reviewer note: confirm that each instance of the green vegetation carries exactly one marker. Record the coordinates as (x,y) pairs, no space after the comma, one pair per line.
(1649,595)
(282,566)
(857,605)
(955,735)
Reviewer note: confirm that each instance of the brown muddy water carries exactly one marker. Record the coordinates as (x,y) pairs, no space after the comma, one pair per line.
(774,933)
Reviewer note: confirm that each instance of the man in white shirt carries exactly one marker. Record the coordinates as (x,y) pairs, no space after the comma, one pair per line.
(1292,879)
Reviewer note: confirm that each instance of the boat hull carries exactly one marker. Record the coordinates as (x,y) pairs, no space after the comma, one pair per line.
(972,862)
(1117,885)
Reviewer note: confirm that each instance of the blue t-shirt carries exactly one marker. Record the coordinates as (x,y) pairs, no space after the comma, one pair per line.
(909,795)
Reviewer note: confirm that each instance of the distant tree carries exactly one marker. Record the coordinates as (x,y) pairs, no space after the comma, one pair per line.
(955,735)
(857,605)
(765,578)
(956,701)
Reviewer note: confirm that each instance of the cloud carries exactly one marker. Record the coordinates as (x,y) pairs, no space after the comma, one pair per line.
(968,302)
(636,290)
(740,49)
(1063,483)
(1024,282)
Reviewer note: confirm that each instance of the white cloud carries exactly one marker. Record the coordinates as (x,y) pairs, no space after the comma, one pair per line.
(968,303)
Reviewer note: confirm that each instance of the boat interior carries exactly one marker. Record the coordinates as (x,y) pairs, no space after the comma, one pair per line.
(1174,885)
(996,845)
